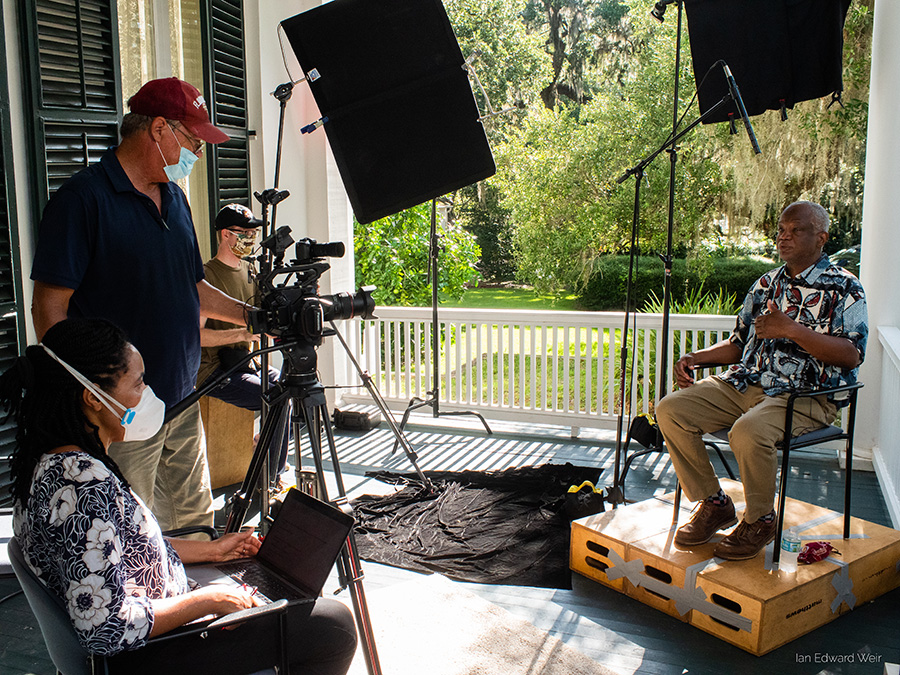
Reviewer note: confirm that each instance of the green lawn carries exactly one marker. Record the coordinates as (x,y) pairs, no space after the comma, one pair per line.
(511,298)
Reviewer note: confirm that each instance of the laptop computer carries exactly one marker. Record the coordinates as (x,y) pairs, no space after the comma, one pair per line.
(296,555)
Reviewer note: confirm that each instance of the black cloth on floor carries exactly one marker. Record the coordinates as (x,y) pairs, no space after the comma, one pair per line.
(495,527)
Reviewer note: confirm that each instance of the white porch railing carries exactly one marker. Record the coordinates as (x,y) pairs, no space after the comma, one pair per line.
(540,366)
(887,457)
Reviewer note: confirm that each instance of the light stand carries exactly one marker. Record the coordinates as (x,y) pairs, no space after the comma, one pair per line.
(615,494)
(271,198)
(434,396)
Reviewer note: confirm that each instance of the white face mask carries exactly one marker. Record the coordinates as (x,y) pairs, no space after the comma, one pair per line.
(141,422)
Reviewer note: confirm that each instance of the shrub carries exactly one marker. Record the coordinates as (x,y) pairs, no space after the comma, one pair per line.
(697,301)
(606,287)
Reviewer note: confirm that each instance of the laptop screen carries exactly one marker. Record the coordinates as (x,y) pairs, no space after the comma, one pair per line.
(304,540)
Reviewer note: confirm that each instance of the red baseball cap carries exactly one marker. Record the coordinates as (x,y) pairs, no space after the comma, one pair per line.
(180,101)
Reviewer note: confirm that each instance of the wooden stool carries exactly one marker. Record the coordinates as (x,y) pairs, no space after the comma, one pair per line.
(229,440)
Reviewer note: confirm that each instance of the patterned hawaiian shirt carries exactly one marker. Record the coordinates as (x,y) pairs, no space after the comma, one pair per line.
(99,549)
(823,297)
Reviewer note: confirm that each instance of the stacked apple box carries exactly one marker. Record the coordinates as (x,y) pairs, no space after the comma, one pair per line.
(747,603)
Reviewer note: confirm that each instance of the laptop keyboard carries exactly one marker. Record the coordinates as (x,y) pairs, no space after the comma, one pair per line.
(267,585)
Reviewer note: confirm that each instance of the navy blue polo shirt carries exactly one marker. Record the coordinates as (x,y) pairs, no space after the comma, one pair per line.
(129,264)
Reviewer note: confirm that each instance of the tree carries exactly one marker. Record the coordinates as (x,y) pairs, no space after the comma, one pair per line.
(512,66)
(817,154)
(586,39)
(510,61)
(479,208)
(392,253)
(559,172)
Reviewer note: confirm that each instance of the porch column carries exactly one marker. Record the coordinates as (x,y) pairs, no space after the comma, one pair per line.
(318,205)
(879,268)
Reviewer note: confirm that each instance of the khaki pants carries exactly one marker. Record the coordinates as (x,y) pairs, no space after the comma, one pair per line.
(757,424)
(169,472)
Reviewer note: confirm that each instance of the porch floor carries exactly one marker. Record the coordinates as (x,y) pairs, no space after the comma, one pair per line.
(610,628)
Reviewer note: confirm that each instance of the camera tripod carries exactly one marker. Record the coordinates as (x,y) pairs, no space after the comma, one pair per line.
(301,397)
(300,391)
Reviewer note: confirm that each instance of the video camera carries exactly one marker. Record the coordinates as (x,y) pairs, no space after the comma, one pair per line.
(295,310)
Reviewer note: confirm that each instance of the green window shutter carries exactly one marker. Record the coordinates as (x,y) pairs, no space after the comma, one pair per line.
(72,56)
(12,335)
(229,171)
(73,93)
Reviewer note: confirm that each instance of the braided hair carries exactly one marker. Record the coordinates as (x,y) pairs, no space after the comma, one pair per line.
(46,400)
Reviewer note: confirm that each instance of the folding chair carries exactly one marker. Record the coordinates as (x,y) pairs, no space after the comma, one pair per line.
(789,442)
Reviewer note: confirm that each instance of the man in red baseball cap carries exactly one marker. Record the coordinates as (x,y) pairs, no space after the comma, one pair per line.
(178,101)
(117,241)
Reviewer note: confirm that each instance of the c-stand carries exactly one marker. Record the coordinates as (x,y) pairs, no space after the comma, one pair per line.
(434,396)
(615,494)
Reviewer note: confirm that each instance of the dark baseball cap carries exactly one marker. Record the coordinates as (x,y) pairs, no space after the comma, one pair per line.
(179,101)
(236,215)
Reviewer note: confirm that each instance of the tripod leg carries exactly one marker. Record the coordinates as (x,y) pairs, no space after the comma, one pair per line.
(310,418)
(306,480)
(414,404)
(240,500)
(349,568)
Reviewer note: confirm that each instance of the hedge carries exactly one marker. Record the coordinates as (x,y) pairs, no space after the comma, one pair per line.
(606,288)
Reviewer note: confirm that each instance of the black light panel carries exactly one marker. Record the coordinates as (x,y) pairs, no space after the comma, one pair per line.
(781,52)
(403,124)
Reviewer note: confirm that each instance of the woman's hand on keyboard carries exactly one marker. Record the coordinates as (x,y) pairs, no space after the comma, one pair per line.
(216,599)
(234,546)
(228,599)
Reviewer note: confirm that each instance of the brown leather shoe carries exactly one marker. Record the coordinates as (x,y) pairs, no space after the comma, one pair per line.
(707,520)
(747,540)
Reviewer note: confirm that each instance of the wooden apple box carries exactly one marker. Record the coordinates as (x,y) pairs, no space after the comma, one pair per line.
(600,541)
(746,603)
(229,440)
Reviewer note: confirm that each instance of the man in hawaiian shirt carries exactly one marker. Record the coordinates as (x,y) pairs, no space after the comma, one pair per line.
(802,326)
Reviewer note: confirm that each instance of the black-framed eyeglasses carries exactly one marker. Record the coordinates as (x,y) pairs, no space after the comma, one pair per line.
(196,143)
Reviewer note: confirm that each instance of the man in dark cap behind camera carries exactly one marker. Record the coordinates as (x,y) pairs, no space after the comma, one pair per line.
(117,241)
(224,343)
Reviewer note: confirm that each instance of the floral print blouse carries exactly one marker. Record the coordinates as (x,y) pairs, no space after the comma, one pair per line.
(98,548)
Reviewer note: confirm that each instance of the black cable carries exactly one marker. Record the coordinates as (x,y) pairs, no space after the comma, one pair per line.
(11,596)
(674,132)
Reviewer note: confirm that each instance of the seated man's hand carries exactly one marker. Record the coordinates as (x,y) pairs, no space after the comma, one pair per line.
(684,370)
(774,323)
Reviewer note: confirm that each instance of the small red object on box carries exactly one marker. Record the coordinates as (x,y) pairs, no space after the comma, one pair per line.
(815,551)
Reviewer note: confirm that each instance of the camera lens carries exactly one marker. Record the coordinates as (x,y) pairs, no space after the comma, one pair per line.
(328,249)
(348,305)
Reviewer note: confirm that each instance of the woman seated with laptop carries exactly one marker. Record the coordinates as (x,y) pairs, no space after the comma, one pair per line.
(92,541)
